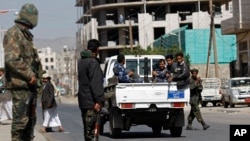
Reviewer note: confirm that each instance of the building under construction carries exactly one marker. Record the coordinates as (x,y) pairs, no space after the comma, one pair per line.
(128,23)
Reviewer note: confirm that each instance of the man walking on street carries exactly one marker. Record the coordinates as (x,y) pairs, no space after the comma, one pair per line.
(91,91)
(195,90)
(21,65)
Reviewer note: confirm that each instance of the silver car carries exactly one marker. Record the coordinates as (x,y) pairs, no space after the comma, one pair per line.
(236,91)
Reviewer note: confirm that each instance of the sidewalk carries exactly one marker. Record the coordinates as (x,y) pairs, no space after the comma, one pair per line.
(5,126)
(5,133)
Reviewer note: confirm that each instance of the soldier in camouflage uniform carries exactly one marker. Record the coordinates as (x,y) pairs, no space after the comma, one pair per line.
(22,66)
(195,91)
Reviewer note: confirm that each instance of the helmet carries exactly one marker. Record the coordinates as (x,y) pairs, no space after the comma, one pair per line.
(28,15)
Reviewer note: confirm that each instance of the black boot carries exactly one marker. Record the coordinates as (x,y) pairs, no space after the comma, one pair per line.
(205,126)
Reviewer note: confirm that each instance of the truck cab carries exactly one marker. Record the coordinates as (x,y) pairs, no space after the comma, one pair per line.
(135,62)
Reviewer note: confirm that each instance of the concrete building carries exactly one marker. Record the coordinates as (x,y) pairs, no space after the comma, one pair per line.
(129,23)
(60,66)
(239,24)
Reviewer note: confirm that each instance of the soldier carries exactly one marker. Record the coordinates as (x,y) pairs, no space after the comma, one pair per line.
(195,90)
(22,72)
(91,91)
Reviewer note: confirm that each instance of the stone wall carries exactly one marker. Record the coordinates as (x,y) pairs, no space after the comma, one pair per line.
(224,70)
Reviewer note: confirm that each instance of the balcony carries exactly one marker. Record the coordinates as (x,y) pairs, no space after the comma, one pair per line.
(240,21)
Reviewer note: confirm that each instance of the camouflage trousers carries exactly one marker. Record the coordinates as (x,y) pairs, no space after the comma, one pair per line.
(195,109)
(24,116)
(89,117)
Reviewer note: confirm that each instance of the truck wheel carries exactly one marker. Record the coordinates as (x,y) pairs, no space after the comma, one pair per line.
(225,104)
(114,132)
(156,129)
(175,131)
(204,104)
(231,104)
(101,129)
(214,103)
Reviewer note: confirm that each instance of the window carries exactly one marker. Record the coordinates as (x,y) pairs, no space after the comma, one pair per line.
(52,67)
(141,67)
(46,67)
(131,64)
(46,60)
(51,59)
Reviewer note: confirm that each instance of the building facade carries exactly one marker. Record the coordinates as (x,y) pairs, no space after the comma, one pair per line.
(129,23)
(60,66)
(239,25)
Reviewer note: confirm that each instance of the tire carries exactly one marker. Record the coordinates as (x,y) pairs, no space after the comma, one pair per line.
(204,104)
(175,131)
(101,129)
(156,129)
(113,132)
(225,104)
(231,104)
(214,103)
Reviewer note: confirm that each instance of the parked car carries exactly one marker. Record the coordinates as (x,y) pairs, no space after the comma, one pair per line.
(62,90)
(236,91)
(211,91)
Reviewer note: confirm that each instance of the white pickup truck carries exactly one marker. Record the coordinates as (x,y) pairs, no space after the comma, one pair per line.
(211,91)
(236,91)
(157,105)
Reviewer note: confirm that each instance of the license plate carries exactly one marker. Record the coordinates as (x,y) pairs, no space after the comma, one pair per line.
(208,98)
(247,100)
(175,94)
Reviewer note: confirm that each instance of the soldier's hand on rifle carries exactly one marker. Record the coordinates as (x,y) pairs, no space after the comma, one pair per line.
(32,80)
(97,107)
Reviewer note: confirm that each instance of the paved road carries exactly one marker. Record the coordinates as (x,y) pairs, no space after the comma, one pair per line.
(218,117)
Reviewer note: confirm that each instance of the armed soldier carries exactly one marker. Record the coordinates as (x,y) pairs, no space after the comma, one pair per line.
(22,64)
(195,90)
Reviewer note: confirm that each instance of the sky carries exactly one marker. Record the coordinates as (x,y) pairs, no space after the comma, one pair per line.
(57,18)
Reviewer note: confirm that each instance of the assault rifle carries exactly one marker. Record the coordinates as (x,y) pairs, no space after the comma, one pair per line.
(97,126)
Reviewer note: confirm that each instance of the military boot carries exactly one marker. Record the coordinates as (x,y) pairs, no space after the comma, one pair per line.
(189,126)
(205,126)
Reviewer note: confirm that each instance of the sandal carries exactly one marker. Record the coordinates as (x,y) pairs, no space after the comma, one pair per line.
(60,129)
(42,130)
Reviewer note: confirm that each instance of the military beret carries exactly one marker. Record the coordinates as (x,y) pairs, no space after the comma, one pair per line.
(194,70)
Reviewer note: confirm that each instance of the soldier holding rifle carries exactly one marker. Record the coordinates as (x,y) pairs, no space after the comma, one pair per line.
(23,69)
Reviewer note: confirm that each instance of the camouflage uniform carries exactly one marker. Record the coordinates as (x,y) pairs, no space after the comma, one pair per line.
(120,71)
(195,91)
(20,66)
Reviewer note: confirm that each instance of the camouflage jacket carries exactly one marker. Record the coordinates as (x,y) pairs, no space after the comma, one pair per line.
(195,86)
(19,56)
(120,71)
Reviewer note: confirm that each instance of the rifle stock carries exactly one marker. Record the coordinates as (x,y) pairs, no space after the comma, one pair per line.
(97,127)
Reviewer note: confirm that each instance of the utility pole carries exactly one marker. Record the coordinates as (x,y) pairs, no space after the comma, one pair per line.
(212,38)
(130,35)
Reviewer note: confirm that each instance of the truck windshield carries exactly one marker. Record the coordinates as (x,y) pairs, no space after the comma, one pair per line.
(240,83)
